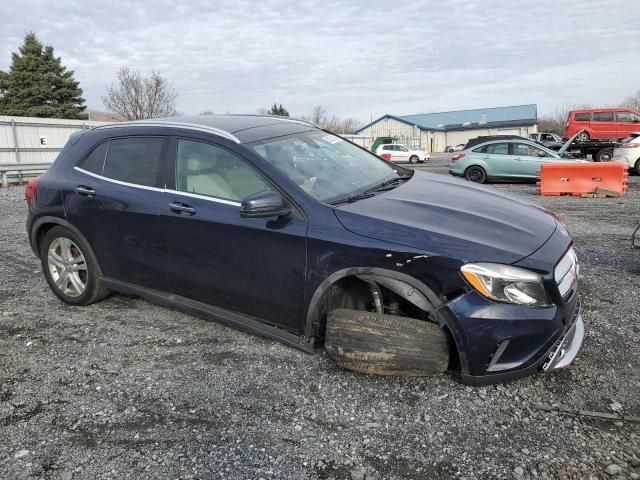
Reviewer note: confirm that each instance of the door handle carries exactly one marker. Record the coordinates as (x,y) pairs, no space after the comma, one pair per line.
(85,191)
(179,208)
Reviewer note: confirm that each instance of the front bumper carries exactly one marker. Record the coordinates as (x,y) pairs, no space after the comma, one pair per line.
(559,355)
(567,348)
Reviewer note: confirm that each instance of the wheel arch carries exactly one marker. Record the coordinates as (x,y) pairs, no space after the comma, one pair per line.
(404,285)
(43,224)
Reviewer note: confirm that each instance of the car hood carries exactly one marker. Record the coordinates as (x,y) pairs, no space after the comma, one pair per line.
(456,218)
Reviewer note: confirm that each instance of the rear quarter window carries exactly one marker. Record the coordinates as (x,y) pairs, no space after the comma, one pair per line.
(94,162)
(582,117)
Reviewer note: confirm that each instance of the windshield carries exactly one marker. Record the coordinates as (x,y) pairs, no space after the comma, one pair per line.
(324,165)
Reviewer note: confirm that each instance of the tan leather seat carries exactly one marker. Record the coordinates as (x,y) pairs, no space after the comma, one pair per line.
(202,177)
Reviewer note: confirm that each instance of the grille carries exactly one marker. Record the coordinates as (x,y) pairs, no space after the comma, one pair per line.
(566,273)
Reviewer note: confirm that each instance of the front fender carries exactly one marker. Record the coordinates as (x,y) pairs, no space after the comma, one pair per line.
(401,283)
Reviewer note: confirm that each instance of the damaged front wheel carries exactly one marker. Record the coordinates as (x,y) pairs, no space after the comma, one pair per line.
(385,344)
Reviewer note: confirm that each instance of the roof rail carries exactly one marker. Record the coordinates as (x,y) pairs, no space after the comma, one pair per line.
(279,117)
(190,126)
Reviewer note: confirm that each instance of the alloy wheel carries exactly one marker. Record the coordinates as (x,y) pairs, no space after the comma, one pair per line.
(67,266)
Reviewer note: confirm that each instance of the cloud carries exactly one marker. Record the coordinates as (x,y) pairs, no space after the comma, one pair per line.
(357,59)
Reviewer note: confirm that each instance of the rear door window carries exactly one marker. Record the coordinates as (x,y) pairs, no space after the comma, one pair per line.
(603,116)
(582,117)
(134,160)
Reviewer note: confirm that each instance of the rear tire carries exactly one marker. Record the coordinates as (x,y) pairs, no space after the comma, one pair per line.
(475,174)
(385,344)
(637,167)
(583,137)
(604,155)
(413,159)
(71,268)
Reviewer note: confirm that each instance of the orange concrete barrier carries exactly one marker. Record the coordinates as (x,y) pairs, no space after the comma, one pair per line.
(386,156)
(581,178)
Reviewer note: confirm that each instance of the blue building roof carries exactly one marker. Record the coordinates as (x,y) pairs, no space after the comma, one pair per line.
(516,115)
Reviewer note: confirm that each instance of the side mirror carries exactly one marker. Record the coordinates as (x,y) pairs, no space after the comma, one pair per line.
(263,204)
(542,154)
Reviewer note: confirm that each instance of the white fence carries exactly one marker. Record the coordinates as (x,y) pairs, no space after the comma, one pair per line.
(28,145)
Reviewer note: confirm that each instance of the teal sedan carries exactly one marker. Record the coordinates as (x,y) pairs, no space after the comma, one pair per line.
(504,159)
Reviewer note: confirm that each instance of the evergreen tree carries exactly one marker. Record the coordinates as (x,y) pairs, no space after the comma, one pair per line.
(38,85)
(278,110)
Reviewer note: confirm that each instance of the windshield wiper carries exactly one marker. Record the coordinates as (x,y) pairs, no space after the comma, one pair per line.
(387,183)
(354,197)
(369,192)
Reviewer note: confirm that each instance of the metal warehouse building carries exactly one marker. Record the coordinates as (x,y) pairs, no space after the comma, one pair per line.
(434,132)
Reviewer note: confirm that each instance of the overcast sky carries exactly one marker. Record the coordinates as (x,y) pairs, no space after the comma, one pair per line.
(357,59)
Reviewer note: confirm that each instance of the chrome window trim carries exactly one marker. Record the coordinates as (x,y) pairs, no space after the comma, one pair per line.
(156,189)
(188,126)
(118,182)
(204,197)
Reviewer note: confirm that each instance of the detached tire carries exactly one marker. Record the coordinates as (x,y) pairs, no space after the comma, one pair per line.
(385,344)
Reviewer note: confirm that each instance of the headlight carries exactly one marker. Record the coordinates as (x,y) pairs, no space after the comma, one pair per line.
(504,283)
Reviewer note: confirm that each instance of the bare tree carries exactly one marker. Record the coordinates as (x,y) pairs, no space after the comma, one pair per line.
(555,122)
(135,97)
(318,116)
(333,123)
(632,101)
(206,112)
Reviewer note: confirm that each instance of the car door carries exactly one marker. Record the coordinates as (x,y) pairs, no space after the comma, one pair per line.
(626,123)
(527,160)
(115,197)
(255,266)
(603,125)
(496,158)
(400,153)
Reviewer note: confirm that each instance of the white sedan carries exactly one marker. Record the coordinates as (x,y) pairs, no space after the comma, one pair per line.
(401,153)
(628,151)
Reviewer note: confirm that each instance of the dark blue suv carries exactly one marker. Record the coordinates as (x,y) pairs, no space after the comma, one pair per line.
(280,228)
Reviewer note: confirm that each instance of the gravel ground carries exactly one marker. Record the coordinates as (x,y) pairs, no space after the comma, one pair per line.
(127,389)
